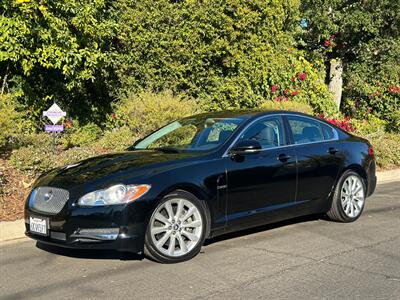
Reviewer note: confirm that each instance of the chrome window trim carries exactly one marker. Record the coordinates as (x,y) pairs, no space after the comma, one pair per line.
(336,135)
(335,138)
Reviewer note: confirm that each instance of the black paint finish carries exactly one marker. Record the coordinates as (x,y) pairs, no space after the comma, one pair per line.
(239,190)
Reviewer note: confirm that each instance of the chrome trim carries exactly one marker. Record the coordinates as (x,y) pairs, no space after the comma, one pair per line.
(97,237)
(101,234)
(336,135)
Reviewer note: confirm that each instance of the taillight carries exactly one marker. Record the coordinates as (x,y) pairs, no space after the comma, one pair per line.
(370,151)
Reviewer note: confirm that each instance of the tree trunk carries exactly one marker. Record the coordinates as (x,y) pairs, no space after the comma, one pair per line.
(3,86)
(336,80)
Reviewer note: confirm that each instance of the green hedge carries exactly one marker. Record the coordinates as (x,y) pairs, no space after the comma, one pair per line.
(138,115)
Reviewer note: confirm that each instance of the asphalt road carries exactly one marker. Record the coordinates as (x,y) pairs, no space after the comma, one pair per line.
(302,259)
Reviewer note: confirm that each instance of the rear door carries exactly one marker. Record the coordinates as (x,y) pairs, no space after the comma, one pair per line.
(319,158)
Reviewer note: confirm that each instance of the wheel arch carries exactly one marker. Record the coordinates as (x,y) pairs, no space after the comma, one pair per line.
(352,167)
(195,190)
(359,170)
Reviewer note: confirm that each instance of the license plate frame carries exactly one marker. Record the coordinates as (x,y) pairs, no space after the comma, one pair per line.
(39,225)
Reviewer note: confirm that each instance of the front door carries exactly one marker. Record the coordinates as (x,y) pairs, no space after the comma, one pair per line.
(261,186)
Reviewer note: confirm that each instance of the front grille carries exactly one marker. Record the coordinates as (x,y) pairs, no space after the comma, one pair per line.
(49,199)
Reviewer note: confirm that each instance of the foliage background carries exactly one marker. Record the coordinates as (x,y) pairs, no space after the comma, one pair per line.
(123,68)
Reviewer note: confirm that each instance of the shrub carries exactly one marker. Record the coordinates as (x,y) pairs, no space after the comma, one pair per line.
(11,121)
(32,159)
(117,139)
(393,124)
(372,81)
(148,111)
(40,139)
(80,135)
(369,125)
(386,145)
(287,105)
(387,150)
(76,154)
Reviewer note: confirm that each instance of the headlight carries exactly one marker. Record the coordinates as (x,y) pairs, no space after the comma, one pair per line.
(117,194)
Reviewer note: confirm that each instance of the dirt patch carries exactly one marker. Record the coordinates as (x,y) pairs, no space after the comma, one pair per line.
(14,188)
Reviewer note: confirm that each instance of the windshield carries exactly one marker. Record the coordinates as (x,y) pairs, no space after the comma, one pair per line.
(191,134)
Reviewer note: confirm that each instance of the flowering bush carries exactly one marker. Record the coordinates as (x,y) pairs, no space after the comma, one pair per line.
(344,123)
(287,105)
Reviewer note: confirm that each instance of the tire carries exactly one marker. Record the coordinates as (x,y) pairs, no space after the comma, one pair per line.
(176,229)
(348,199)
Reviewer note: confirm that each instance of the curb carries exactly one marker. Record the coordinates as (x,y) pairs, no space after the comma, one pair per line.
(16,229)
(386,176)
(12,230)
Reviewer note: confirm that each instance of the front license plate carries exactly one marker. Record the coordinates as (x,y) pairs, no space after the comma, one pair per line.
(38,225)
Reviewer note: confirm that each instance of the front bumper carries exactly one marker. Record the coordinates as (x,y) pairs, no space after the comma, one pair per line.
(120,227)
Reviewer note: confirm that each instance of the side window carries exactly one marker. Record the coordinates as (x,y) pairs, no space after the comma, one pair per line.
(329,132)
(269,132)
(305,130)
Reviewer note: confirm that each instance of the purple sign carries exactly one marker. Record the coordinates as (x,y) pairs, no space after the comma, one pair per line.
(54,128)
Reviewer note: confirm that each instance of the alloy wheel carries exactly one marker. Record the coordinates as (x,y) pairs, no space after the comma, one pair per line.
(352,196)
(176,227)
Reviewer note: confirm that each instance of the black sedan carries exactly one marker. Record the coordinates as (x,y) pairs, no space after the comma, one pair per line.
(200,177)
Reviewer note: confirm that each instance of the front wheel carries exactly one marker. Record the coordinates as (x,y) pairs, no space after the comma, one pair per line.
(348,199)
(177,228)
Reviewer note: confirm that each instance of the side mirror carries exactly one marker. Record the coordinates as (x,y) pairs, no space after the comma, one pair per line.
(246,147)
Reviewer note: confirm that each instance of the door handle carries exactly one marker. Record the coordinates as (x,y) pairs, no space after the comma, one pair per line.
(283,157)
(332,150)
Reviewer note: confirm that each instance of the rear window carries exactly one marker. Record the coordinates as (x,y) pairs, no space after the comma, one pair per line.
(329,132)
(306,130)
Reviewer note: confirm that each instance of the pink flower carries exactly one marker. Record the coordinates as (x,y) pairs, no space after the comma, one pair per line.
(394,89)
(295,92)
(344,124)
(327,43)
(333,36)
(274,88)
(278,99)
(114,116)
(286,91)
(302,76)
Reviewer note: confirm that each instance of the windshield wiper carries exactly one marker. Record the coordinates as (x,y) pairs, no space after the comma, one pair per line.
(167,149)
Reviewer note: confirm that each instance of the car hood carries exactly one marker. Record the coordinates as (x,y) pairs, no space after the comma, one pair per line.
(112,168)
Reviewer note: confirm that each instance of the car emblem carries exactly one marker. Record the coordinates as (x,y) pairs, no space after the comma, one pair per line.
(48,196)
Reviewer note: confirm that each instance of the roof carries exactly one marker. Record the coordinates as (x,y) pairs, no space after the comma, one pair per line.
(244,113)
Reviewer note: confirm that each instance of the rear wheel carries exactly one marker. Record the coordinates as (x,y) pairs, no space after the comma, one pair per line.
(177,228)
(348,199)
